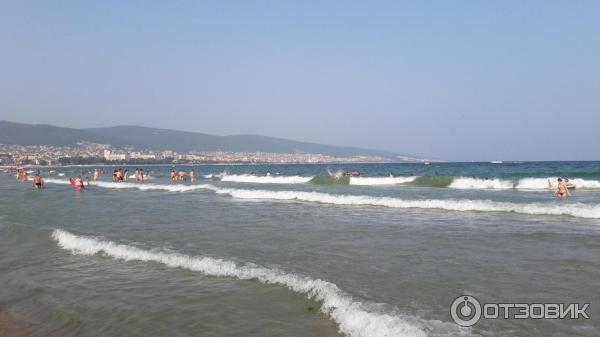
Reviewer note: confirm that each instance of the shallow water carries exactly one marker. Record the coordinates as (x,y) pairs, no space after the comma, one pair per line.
(230,258)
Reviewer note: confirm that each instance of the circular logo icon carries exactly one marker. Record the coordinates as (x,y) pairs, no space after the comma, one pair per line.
(465,310)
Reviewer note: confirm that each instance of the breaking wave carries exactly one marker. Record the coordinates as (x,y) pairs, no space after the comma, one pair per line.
(362,181)
(354,318)
(579,210)
(138,186)
(328,180)
(480,184)
(380,180)
(429,181)
(551,183)
(576,210)
(246,178)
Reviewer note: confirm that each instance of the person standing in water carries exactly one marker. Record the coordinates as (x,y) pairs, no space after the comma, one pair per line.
(126,175)
(192,175)
(38,182)
(562,191)
(96,174)
(78,183)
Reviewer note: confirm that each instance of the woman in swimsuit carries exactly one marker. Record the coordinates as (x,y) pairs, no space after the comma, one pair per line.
(562,191)
(79,183)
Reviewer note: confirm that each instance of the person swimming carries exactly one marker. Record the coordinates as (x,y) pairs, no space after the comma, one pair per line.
(562,191)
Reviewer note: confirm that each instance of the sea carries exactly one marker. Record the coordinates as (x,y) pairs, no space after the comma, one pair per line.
(300,250)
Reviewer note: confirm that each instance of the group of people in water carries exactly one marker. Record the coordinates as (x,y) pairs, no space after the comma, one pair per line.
(122,175)
(38,181)
(182,176)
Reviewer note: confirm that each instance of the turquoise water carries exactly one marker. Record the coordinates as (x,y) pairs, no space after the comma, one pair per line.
(295,255)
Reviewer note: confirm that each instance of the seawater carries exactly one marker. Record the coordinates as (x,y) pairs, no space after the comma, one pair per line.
(300,252)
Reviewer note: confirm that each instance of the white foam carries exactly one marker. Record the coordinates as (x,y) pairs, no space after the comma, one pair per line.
(139,186)
(579,210)
(56,181)
(380,180)
(480,184)
(576,210)
(582,183)
(536,183)
(551,183)
(354,318)
(215,176)
(146,177)
(152,187)
(246,178)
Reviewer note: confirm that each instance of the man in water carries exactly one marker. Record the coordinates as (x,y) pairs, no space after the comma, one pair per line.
(38,182)
(192,175)
(562,191)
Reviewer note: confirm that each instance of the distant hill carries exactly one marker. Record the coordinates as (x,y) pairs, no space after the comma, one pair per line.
(162,139)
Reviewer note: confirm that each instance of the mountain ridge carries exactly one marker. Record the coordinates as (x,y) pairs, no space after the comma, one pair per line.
(165,139)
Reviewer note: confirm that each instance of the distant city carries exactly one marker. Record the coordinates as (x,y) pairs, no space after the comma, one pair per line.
(87,153)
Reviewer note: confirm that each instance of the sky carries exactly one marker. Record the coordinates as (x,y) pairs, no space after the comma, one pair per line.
(455,80)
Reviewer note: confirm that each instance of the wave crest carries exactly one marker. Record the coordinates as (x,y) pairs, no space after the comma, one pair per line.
(370,181)
(354,318)
(244,178)
(467,183)
(576,210)
(138,186)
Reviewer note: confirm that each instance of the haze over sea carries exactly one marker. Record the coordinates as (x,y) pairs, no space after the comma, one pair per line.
(299,252)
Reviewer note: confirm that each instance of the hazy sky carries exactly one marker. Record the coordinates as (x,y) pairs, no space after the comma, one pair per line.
(459,80)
